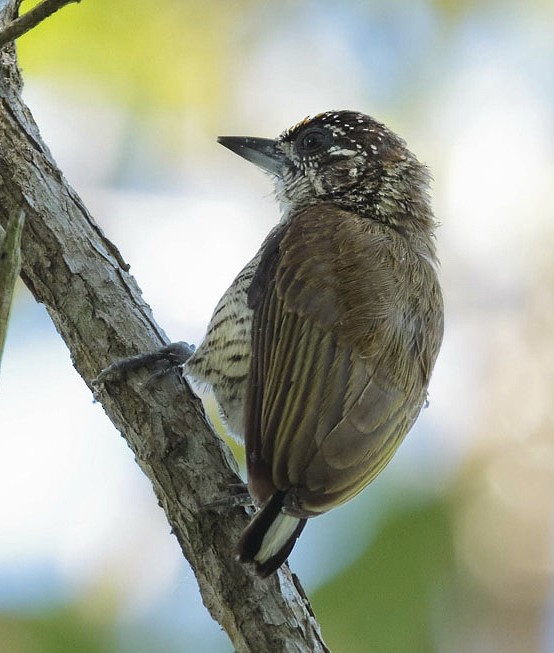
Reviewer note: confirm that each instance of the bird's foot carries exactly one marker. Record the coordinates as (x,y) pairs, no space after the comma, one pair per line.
(240,497)
(163,361)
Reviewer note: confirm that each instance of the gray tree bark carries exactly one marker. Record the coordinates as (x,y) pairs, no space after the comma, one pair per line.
(10,265)
(70,266)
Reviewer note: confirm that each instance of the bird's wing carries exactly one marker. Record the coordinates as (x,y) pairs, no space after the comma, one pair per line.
(335,381)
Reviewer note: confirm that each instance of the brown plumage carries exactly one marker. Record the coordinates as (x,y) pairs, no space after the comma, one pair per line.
(322,349)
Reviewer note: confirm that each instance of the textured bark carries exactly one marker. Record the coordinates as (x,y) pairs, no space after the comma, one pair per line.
(97,307)
(10,265)
(21,24)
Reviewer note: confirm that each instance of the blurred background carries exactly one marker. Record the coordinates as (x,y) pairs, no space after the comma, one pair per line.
(451,548)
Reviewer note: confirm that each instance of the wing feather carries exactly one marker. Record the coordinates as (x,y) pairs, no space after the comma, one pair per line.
(337,374)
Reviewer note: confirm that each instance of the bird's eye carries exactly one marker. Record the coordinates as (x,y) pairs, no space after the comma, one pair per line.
(313,141)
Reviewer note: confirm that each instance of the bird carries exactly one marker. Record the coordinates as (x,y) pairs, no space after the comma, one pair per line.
(321,350)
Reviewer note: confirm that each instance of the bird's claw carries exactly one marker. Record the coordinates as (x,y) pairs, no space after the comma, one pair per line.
(172,356)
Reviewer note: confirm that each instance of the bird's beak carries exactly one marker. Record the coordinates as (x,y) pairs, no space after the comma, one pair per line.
(262,152)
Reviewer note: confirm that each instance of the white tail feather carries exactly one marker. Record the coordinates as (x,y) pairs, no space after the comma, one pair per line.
(276,537)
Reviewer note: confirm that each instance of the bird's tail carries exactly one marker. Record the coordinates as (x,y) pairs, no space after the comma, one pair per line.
(270,536)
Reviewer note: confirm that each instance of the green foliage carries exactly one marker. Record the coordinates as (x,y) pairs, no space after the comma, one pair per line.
(143,54)
(385,602)
(63,631)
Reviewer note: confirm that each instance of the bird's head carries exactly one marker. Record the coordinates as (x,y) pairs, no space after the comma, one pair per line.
(347,158)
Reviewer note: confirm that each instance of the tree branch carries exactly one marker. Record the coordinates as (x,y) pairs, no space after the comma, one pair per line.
(32,18)
(10,264)
(96,305)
